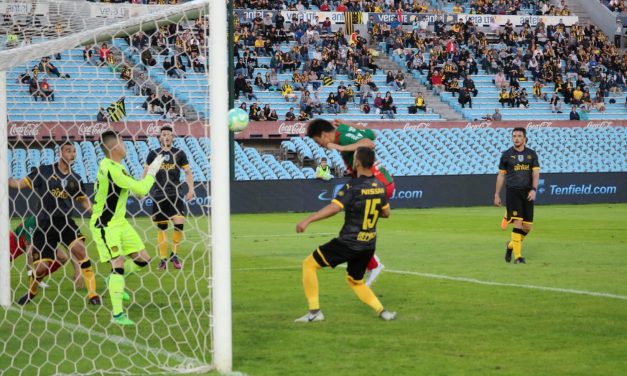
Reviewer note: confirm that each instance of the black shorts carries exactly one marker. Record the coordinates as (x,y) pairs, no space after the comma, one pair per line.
(335,253)
(518,206)
(163,209)
(49,233)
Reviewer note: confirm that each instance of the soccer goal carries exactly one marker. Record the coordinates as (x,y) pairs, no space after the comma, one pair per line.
(157,77)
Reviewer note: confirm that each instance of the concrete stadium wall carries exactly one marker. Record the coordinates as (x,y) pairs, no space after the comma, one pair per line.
(267,196)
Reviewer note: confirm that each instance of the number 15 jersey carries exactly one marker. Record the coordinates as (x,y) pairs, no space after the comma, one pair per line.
(362,199)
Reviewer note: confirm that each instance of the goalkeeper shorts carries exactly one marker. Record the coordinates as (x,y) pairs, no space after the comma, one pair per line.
(115,240)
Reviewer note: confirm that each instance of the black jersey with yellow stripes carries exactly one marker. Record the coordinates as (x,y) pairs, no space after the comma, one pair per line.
(518,167)
(55,190)
(168,179)
(362,199)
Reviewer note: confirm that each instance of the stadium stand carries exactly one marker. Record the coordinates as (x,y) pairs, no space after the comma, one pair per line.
(71,103)
(444,151)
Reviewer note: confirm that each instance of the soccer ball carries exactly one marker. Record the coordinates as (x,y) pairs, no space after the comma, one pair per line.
(238,120)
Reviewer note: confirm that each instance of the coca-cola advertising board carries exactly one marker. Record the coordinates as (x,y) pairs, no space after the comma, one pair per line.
(261,130)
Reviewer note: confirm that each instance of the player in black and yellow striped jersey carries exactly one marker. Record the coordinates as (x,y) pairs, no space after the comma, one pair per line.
(56,186)
(168,204)
(364,201)
(519,170)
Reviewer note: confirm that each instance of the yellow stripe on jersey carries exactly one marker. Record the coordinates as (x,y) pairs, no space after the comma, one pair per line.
(338,203)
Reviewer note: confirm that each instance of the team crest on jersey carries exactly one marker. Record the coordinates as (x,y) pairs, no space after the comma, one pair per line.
(521,157)
(63,183)
(166,157)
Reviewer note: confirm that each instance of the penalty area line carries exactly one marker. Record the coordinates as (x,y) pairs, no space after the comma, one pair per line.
(468,280)
(186,364)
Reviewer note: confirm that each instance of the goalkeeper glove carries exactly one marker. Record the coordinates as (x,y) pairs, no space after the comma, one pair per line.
(154,167)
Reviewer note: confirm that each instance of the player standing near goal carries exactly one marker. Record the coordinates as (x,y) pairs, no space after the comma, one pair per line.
(364,200)
(346,138)
(168,204)
(56,186)
(519,169)
(113,235)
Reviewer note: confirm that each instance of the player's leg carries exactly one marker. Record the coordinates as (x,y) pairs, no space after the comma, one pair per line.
(375,266)
(160,218)
(116,288)
(41,268)
(515,211)
(108,243)
(15,250)
(177,237)
(74,241)
(162,243)
(355,278)
(526,223)
(43,252)
(323,256)
(134,249)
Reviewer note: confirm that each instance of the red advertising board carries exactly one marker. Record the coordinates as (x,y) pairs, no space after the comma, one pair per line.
(259,130)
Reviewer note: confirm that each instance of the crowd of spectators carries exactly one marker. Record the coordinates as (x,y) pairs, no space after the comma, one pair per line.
(314,61)
(513,55)
(616,6)
(456,52)
(514,7)
(377,6)
(41,88)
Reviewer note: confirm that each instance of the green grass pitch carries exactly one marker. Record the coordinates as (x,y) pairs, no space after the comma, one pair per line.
(446,325)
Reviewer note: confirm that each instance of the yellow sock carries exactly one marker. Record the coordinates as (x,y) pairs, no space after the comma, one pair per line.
(177,237)
(516,243)
(310,282)
(33,285)
(162,244)
(364,294)
(510,245)
(88,277)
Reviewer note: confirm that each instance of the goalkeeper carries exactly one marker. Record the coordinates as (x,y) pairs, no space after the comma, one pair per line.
(346,138)
(117,242)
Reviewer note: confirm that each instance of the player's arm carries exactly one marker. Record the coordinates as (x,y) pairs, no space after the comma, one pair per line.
(385,211)
(149,158)
(24,183)
(189,179)
(338,122)
(328,211)
(138,187)
(85,202)
(364,142)
(500,180)
(535,178)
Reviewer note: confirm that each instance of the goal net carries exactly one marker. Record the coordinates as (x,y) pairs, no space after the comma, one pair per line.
(147,77)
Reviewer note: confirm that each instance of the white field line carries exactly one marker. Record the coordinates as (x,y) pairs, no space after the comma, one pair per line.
(471,280)
(186,364)
(260,236)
